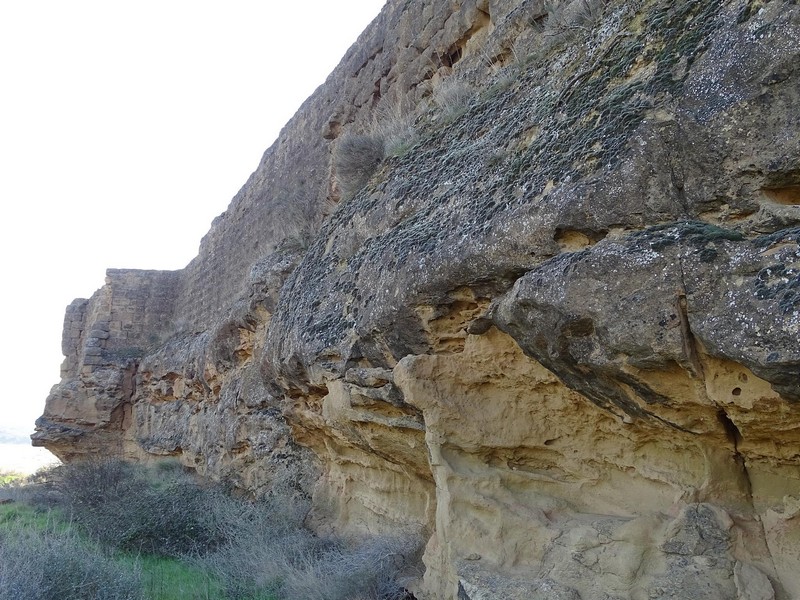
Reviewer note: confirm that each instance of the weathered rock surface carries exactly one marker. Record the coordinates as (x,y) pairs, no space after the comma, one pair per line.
(557,331)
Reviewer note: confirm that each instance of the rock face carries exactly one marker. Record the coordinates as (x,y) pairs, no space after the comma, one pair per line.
(556,331)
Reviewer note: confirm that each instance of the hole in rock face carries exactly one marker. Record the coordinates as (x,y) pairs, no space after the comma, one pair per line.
(737,391)
(452,55)
(570,240)
(376,93)
(579,327)
(789,195)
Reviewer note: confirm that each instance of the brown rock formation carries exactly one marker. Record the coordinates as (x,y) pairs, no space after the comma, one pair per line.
(557,330)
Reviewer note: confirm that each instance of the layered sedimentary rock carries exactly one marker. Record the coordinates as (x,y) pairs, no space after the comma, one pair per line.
(555,334)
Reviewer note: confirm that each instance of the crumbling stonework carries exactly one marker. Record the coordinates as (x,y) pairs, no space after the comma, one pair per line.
(104,338)
(556,333)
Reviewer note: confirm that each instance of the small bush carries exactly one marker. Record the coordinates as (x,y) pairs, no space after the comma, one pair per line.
(9,477)
(11,489)
(58,565)
(272,554)
(372,569)
(90,485)
(162,512)
(355,159)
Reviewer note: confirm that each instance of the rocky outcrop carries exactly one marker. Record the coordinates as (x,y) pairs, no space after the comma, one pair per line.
(556,332)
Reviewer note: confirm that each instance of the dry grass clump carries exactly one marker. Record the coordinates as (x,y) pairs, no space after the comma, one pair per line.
(568,17)
(301,218)
(356,157)
(452,97)
(396,126)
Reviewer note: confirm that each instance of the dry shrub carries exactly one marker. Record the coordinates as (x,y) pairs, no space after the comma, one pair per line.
(257,550)
(13,490)
(59,565)
(272,554)
(372,569)
(301,218)
(129,507)
(356,157)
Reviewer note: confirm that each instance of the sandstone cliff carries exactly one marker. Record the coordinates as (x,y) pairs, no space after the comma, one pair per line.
(556,331)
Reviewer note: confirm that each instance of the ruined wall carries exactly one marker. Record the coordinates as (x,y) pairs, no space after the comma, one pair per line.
(554,335)
(386,73)
(102,341)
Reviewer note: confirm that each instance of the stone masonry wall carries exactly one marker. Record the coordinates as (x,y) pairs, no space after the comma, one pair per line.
(141,307)
(102,340)
(132,312)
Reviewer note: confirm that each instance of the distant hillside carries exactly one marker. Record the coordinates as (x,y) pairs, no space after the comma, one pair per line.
(13,436)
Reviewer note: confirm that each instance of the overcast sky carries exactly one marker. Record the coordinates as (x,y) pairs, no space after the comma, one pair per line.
(125,128)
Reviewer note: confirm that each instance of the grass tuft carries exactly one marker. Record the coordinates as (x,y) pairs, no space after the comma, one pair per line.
(356,157)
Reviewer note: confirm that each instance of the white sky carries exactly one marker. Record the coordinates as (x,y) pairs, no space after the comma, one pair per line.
(125,128)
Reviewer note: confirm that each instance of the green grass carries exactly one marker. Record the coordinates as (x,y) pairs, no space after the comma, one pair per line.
(18,514)
(173,579)
(6,478)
